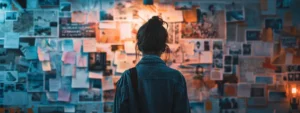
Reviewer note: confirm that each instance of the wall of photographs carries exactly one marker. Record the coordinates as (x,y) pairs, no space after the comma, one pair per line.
(67,55)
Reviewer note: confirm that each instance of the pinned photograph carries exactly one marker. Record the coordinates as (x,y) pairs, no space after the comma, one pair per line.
(277,96)
(269,80)
(45,25)
(97,61)
(108,107)
(5,5)
(235,13)
(235,60)
(274,23)
(258,95)
(283,3)
(9,87)
(234,48)
(21,87)
(65,6)
(227,69)
(51,109)
(218,45)
(183,5)
(247,49)
(197,107)
(48,3)
(216,74)
(218,59)
(228,60)
(122,11)
(109,95)
(35,82)
(90,96)
(253,35)
(24,24)
(11,16)
(36,96)
(107,10)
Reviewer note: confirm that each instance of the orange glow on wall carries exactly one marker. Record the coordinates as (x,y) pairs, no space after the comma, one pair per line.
(294,90)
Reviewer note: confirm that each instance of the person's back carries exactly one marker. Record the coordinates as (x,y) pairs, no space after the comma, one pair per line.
(160,88)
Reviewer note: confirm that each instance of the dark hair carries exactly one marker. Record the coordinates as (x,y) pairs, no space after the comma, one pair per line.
(152,37)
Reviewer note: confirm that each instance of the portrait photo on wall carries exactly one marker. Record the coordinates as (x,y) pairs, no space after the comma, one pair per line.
(97,61)
(253,35)
(235,13)
(247,49)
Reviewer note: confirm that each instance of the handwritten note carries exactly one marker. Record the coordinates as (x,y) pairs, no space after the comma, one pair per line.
(81,59)
(107,83)
(11,40)
(69,57)
(89,45)
(96,75)
(55,85)
(63,95)
(81,80)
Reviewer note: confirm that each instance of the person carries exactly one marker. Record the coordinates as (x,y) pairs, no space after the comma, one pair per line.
(160,89)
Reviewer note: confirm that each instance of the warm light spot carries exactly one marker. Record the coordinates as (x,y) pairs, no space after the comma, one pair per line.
(294,90)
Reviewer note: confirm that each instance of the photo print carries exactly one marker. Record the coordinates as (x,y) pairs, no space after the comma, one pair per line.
(11,16)
(51,109)
(9,76)
(283,3)
(228,69)
(122,11)
(253,35)
(197,107)
(276,24)
(90,96)
(217,54)
(258,95)
(109,95)
(36,96)
(5,5)
(235,13)
(210,24)
(247,49)
(269,80)
(108,107)
(228,104)
(21,87)
(65,6)
(235,60)
(107,10)
(183,5)
(97,61)
(234,48)
(277,96)
(24,24)
(228,60)
(35,82)
(49,3)
(9,87)
(46,23)
(174,33)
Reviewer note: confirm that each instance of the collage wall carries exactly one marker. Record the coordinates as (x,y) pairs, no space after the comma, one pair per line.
(61,56)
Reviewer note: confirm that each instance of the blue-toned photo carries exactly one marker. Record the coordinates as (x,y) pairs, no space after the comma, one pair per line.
(275,24)
(264,79)
(197,107)
(278,96)
(183,5)
(253,35)
(234,16)
(283,3)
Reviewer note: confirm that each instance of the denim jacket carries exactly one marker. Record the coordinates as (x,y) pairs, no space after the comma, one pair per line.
(160,89)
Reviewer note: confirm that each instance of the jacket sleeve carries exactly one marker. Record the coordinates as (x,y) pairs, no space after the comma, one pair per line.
(121,96)
(181,102)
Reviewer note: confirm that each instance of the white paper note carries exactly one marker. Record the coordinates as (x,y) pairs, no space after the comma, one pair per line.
(96,75)
(81,80)
(244,90)
(107,83)
(81,59)
(46,66)
(67,45)
(54,85)
(89,45)
(69,108)
(11,40)
(125,30)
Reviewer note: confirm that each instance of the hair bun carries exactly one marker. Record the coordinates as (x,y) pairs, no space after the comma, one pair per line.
(155,20)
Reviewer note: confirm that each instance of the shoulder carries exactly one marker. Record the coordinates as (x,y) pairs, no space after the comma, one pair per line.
(177,76)
(123,81)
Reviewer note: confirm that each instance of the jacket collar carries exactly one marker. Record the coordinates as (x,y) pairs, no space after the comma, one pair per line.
(151,59)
